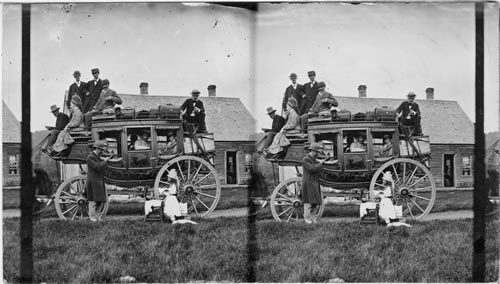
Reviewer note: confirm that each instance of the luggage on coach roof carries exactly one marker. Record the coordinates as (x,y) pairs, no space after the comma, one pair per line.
(170,111)
(342,115)
(360,116)
(143,114)
(385,114)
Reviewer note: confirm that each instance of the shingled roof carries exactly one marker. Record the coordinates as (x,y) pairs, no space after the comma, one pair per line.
(444,121)
(11,128)
(227,118)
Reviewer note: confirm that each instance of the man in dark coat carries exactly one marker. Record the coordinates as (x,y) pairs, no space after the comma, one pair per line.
(310,93)
(94,89)
(294,90)
(96,191)
(409,114)
(78,88)
(194,111)
(311,192)
(61,122)
(278,123)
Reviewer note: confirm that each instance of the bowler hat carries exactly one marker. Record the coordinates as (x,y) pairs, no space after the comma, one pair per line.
(211,87)
(76,99)
(77,73)
(100,144)
(143,84)
(411,95)
(54,108)
(387,136)
(311,73)
(105,82)
(321,84)
(270,110)
(429,90)
(95,70)
(362,87)
(195,92)
(316,147)
(293,75)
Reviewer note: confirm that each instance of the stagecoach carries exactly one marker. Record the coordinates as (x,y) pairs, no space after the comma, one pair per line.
(349,176)
(142,170)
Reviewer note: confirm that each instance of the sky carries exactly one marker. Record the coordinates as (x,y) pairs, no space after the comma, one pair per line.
(393,48)
(174,47)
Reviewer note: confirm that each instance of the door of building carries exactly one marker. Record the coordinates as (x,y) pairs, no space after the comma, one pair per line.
(449,170)
(231,168)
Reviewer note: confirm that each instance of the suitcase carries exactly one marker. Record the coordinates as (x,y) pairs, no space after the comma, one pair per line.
(385,114)
(143,114)
(370,116)
(342,115)
(360,116)
(170,111)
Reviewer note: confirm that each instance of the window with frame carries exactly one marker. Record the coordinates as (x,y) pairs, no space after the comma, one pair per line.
(13,164)
(382,144)
(139,139)
(166,141)
(113,138)
(467,165)
(329,141)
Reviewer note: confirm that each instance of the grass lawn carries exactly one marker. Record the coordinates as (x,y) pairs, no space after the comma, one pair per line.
(215,250)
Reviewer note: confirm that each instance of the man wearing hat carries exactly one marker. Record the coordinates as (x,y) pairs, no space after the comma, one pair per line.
(61,121)
(278,123)
(96,191)
(324,101)
(362,91)
(107,102)
(78,88)
(409,114)
(144,88)
(194,111)
(311,192)
(94,90)
(294,90)
(310,93)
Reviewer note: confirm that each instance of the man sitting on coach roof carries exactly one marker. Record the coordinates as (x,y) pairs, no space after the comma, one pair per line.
(324,101)
(108,101)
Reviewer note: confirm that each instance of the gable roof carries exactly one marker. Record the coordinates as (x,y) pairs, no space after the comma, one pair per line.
(227,118)
(444,121)
(11,128)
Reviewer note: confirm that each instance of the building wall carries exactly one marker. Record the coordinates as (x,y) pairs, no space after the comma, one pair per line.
(459,151)
(9,178)
(221,151)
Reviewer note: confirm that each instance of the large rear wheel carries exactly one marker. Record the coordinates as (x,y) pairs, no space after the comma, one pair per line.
(199,184)
(414,187)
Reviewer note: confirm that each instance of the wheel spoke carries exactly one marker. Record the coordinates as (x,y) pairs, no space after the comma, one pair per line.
(284,200)
(286,210)
(417,205)
(290,216)
(71,208)
(197,171)
(404,172)
(204,177)
(413,184)
(296,215)
(413,174)
(180,170)
(396,173)
(284,196)
(421,189)
(207,186)
(421,197)
(69,195)
(409,208)
(74,214)
(202,203)
(205,194)
(189,169)
(67,202)
(192,204)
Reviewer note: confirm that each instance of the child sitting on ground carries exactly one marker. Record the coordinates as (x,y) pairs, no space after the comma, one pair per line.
(168,196)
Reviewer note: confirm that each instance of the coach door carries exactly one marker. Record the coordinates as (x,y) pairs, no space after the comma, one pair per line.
(140,148)
(355,149)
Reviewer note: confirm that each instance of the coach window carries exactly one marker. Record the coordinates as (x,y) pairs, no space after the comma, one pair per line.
(329,140)
(113,138)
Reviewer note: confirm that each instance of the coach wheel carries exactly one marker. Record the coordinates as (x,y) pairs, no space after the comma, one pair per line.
(199,184)
(71,199)
(414,187)
(286,203)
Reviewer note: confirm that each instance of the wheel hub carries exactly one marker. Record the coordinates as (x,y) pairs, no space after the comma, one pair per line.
(297,204)
(81,202)
(404,192)
(189,189)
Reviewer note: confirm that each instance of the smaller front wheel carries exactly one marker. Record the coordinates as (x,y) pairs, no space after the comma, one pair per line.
(286,203)
(71,199)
